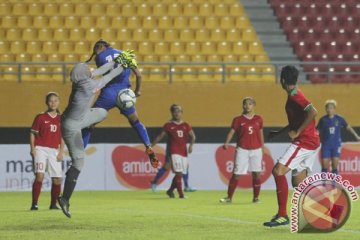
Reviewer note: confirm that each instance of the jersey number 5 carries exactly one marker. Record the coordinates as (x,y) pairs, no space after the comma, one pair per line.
(251,131)
(180,133)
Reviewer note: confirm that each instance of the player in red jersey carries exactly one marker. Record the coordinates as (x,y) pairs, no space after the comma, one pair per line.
(47,149)
(249,152)
(179,133)
(301,154)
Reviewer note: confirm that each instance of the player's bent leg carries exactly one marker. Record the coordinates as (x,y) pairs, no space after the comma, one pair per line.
(36,190)
(298,178)
(256,186)
(231,189)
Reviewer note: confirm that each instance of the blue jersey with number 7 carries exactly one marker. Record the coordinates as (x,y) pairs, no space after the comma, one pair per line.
(330,130)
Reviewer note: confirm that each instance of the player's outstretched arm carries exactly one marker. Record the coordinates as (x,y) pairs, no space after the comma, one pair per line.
(228,138)
(102,70)
(158,138)
(352,131)
(138,77)
(108,77)
(311,114)
(192,141)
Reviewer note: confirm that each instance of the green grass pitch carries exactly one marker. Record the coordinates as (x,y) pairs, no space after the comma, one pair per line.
(146,215)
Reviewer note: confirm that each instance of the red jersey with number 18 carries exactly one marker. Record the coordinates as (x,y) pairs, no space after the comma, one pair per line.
(178,134)
(248,131)
(47,130)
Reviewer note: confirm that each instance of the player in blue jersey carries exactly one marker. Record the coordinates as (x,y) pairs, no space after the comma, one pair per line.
(104,53)
(329,127)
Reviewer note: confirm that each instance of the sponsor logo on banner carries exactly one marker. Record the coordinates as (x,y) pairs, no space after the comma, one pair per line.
(225,163)
(133,168)
(349,163)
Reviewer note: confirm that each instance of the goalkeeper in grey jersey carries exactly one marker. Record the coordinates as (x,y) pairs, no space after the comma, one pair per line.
(79,114)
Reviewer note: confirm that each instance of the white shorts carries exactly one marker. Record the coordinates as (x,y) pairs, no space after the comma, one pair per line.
(247,160)
(45,160)
(299,159)
(179,163)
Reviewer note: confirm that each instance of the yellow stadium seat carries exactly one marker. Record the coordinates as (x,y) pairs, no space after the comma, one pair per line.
(72,22)
(166,58)
(174,9)
(28,73)
(103,22)
(66,9)
(8,21)
(43,73)
(66,47)
(180,22)
(29,34)
(82,47)
(256,48)
(151,58)
(113,9)
(236,10)
(76,34)
(87,21)
(4,46)
(261,58)
(233,35)
(38,57)
(196,22)
(202,35)
(204,74)
(70,57)
(35,9)
(127,10)
(227,22)
(223,48)
(2,33)
(130,45)
(123,34)
(40,21)
(246,58)
(92,34)
(144,10)
(145,48)
(235,73)
(149,22)
(139,35)
(254,74)
(10,73)
(230,58)
(159,9)
(56,22)
(217,35)
(165,22)
(214,58)
(24,21)
(249,35)
(133,22)
(205,9)
(161,48)
(109,33)
(33,47)
(5,8)
(82,9)
(54,57)
(51,8)
(97,9)
(198,58)
(188,73)
(211,22)
(186,35)
(4,57)
(57,73)
(268,74)
(118,22)
(171,35)
(176,48)
(242,22)
(190,9)
(45,34)
(13,34)
(208,48)
(22,56)
(155,35)
(221,10)
(239,48)
(192,48)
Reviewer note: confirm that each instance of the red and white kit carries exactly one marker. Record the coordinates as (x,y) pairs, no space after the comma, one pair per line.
(178,134)
(302,152)
(248,155)
(47,132)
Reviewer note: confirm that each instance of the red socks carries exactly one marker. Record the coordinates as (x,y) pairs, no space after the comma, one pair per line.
(282,194)
(36,189)
(55,193)
(232,186)
(176,183)
(256,188)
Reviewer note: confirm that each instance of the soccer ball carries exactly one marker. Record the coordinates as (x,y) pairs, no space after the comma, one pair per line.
(126,99)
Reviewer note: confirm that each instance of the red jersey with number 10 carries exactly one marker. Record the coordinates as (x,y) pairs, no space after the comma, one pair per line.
(178,134)
(47,130)
(248,131)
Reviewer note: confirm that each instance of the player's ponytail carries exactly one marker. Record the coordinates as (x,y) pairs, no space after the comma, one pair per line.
(99,44)
(49,95)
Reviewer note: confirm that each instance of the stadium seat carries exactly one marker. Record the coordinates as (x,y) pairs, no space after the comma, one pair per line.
(155,35)
(223,48)
(118,22)
(239,48)
(165,22)
(144,10)
(82,47)
(222,10)
(22,56)
(216,58)
(97,9)
(4,57)
(171,35)
(145,48)
(92,34)
(217,35)
(35,9)
(38,57)
(198,58)
(24,21)
(166,58)
(192,48)
(4,46)
(202,35)
(51,8)
(196,22)
(127,10)
(177,48)
(109,33)
(13,34)
(72,22)
(33,47)
(76,34)
(5,8)
(133,22)
(54,57)
(149,22)
(190,10)
(230,58)
(29,34)
(181,58)
(65,47)
(159,9)
(66,9)
(82,9)
(227,22)
(124,35)
(208,48)
(161,48)
(205,9)
(186,35)
(180,22)
(174,10)
(87,22)
(45,34)
(56,22)
(8,22)
(40,22)
(103,22)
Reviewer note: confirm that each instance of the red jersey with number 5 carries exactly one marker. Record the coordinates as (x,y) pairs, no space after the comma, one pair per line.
(248,131)
(47,130)
(178,136)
